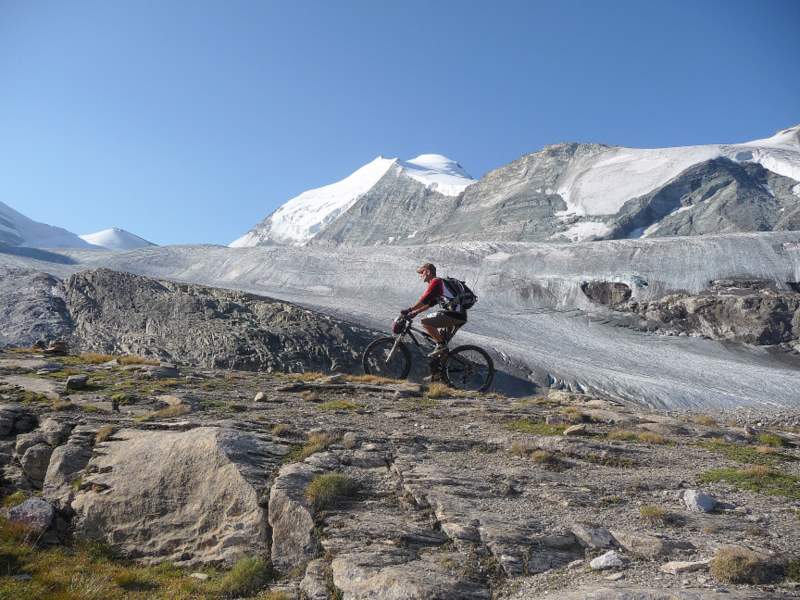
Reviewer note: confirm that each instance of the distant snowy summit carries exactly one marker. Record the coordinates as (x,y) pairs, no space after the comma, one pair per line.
(116,239)
(18,230)
(306,215)
(568,192)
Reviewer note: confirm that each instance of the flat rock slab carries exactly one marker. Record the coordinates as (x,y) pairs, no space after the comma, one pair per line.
(189,497)
(37,385)
(26,364)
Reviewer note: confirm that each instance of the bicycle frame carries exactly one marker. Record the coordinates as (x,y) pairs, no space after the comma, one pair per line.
(409,330)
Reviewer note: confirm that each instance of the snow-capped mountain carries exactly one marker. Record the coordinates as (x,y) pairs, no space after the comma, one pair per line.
(565,192)
(304,216)
(116,239)
(18,230)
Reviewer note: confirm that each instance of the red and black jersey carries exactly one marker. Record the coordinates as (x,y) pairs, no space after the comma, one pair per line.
(434,293)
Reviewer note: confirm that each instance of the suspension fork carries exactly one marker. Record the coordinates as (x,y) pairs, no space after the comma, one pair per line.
(394,347)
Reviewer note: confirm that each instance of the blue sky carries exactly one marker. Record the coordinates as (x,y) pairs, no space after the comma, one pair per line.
(188,122)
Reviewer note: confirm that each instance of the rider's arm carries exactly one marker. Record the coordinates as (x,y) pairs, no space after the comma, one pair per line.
(418,308)
(428,298)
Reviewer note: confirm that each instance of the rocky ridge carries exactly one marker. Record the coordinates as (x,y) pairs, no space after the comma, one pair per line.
(108,311)
(358,488)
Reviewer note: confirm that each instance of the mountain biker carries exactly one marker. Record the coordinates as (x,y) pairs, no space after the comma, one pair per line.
(444,317)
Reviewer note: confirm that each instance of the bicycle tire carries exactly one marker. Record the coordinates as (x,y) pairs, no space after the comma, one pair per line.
(456,370)
(384,345)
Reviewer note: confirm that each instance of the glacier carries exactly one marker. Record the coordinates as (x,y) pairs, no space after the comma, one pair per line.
(531,314)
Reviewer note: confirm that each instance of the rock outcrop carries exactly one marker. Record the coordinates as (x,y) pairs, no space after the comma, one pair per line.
(189,497)
(749,311)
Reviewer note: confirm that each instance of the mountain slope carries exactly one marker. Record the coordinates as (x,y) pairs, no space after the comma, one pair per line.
(18,230)
(304,216)
(116,239)
(569,192)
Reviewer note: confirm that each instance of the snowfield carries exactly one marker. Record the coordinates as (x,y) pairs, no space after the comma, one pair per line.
(602,183)
(531,313)
(18,230)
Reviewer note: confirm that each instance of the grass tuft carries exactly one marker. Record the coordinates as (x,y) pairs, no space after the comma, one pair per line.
(706,420)
(324,490)
(317,442)
(137,360)
(655,515)
(738,565)
(176,410)
(14,499)
(103,434)
(280,429)
(247,576)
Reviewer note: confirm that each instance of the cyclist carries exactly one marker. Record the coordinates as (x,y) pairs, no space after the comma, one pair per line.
(444,317)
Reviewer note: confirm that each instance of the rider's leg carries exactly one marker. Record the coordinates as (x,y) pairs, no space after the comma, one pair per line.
(433,332)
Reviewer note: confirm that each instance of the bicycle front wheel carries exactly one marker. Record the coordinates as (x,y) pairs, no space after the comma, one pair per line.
(469,368)
(380,359)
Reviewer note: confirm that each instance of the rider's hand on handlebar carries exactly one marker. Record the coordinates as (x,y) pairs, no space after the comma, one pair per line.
(406,312)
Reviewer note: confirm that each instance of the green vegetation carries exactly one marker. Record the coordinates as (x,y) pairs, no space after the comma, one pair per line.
(12,500)
(92,571)
(317,442)
(771,439)
(324,490)
(246,577)
(535,427)
(645,437)
(791,569)
(738,565)
(757,478)
(339,405)
(743,454)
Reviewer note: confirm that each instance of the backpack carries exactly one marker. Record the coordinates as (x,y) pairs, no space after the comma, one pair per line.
(462,296)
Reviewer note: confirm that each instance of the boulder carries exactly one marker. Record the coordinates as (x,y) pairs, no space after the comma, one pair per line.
(34,512)
(645,545)
(314,584)
(16,419)
(593,537)
(577,430)
(26,440)
(610,560)
(76,382)
(66,464)
(189,497)
(35,461)
(55,432)
(291,517)
(699,501)
(681,566)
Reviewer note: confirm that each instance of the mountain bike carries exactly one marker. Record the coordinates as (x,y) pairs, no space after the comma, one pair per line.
(464,367)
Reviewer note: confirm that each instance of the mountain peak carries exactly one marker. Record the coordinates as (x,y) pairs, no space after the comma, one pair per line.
(116,238)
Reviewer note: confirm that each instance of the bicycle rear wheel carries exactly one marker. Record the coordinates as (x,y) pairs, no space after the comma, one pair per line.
(376,360)
(469,368)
